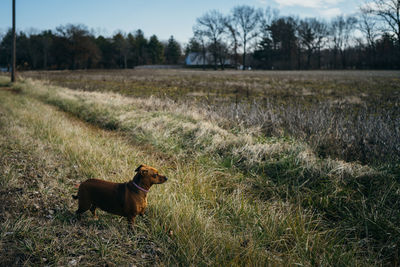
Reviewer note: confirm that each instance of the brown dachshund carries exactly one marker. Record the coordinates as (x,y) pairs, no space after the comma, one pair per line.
(124,199)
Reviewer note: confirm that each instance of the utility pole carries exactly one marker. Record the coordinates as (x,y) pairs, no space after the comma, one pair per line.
(14,46)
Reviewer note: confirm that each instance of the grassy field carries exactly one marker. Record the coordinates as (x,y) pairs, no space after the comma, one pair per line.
(351,115)
(249,183)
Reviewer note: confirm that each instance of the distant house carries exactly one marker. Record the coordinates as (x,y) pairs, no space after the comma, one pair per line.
(195,59)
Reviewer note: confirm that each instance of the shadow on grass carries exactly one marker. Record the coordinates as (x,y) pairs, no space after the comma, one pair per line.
(104,220)
(8,86)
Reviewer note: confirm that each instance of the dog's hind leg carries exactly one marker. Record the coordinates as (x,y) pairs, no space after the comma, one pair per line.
(93,210)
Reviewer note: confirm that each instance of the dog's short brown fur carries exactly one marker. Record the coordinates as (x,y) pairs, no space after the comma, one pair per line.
(124,199)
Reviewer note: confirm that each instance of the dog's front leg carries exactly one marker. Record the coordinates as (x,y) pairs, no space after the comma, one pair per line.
(131,221)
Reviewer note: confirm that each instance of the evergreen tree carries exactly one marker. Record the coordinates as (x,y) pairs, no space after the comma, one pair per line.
(172,51)
(139,48)
(155,50)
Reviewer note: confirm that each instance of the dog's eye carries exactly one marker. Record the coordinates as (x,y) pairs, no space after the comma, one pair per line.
(154,175)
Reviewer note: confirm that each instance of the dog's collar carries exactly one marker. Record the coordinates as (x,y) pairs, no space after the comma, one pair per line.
(140,188)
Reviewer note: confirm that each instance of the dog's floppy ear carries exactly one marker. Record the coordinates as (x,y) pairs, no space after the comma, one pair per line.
(138,168)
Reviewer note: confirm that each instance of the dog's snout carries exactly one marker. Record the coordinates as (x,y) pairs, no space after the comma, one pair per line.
(166,178)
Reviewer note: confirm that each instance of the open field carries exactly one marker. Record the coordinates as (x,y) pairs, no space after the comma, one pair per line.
(352,115)
(261,165)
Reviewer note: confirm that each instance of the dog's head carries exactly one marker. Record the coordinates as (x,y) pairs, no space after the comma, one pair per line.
(150,175)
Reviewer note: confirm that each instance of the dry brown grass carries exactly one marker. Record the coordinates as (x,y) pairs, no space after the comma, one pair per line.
(56,151)
(236,197)
(352,115)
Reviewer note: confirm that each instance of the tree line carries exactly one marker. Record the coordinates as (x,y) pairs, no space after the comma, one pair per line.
(260,38)
(264,39)
(75,47)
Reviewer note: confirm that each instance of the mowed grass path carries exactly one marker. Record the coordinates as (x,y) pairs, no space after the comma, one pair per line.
(204,215)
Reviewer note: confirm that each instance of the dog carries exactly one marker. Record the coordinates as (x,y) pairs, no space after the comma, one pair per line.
(125,199)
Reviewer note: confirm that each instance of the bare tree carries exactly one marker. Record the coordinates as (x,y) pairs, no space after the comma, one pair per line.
(312,34)
(212,27)
(388,11)
(368,26)
(321,33)
(247,20)
(233,36)
(266,20)
(341,30)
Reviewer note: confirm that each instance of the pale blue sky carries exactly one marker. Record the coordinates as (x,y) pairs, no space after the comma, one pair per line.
(161,17)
